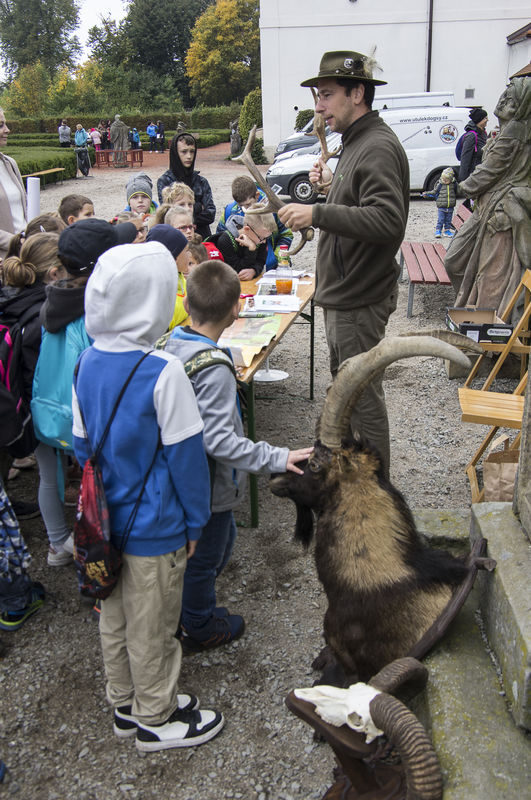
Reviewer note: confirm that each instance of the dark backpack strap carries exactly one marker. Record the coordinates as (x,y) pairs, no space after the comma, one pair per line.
(96,452)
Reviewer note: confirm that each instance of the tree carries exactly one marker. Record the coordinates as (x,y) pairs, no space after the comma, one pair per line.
(223,62)
(154,38)
(27,94)
(38,30)
(108,43)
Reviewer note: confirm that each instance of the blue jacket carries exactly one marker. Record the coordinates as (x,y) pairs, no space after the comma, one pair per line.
(80,137)
(283,234)
(151,130)
(128,306)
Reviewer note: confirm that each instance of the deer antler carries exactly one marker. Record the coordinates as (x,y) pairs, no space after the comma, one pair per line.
(274,203)
(319,131)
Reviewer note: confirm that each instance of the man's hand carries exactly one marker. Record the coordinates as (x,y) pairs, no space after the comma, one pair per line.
(247,274)
(294,456)
(296,216)
(321,174)
(190,548)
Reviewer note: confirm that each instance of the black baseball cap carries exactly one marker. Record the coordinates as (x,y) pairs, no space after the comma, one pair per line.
(81,244)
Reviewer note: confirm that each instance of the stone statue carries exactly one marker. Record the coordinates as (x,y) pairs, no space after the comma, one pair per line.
(486,258)
(120,140)
(235,138)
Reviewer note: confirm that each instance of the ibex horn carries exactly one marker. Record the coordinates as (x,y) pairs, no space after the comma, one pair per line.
(355,374)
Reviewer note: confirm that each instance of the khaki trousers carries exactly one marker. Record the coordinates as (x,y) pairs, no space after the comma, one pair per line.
(139,620)
(356,331)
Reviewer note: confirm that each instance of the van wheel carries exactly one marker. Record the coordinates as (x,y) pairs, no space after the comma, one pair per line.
(301,191)
(432,180)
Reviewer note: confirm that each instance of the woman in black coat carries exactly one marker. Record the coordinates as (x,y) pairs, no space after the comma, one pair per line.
(473,142)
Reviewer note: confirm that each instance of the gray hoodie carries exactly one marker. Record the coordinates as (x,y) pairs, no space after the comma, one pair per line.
(223,435)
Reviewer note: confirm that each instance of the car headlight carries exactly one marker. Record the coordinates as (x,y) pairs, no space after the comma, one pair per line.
(276,169)
(281,147)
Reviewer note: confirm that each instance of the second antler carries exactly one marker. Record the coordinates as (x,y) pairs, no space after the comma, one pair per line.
(319,131)
(274,203)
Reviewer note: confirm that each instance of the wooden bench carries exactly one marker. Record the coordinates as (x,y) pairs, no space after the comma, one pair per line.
(424,261)
(119,158)
(460,216)
(45,172)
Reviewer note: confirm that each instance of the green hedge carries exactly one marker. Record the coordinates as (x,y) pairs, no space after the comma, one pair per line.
(205,138)
(200,117)
(36,160)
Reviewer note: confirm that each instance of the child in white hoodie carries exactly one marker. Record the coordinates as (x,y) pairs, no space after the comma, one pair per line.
(152,458)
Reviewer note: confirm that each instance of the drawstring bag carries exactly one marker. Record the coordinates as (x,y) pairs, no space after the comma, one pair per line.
(97,560)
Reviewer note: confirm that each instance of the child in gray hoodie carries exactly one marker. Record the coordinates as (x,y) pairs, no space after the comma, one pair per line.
(213,297)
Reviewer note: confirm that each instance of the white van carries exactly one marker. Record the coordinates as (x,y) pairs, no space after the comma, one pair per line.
(428,134)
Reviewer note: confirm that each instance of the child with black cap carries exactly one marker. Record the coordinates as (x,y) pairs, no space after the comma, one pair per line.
(177,243)
(64,338)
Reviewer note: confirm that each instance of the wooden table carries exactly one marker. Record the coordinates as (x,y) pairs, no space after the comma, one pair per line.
(305,292)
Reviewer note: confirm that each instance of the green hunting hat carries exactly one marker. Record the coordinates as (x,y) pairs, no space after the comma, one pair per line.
(345,64)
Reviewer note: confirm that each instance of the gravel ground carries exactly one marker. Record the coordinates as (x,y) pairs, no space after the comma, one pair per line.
(56,727)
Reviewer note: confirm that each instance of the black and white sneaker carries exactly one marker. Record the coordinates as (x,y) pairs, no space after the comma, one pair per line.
(125,724)
(182,729)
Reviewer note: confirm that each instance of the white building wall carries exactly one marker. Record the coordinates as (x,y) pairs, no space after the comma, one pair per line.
(469,48)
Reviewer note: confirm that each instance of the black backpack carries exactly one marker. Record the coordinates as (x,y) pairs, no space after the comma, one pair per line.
(16,427)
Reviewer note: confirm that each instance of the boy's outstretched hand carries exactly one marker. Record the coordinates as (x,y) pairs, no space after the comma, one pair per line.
(294,456)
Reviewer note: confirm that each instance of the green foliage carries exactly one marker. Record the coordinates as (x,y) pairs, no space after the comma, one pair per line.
(251,113)
(38,31)
(211,117)
(26,92)
(151,41)
(257,152)
(223,61)
(303,117)
(35,160)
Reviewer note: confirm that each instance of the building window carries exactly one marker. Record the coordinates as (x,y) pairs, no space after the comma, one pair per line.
(469,94)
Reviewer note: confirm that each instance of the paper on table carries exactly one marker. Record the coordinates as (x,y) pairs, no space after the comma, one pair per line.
(246,337)
(280,303)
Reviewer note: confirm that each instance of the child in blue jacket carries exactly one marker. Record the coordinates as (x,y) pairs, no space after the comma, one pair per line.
(245,195)
(153,456)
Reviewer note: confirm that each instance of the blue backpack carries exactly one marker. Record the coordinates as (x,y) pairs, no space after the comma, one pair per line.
(459,145)
(51,405)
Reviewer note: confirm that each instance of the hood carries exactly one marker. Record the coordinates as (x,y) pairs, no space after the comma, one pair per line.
(130,296)
(16,301)
(64,303)
(184,343)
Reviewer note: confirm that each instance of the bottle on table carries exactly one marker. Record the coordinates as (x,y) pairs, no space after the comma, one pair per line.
(284,274)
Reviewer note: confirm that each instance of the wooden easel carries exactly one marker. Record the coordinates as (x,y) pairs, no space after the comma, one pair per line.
(499,409)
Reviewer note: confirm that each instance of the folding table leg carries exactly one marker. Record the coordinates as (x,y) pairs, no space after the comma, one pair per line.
(251,433)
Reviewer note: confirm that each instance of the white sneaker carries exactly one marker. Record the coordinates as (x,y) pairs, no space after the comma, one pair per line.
(125,724)
(59,556)
(182,729)
(68,545)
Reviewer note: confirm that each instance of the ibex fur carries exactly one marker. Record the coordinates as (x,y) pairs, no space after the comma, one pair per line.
(384,587)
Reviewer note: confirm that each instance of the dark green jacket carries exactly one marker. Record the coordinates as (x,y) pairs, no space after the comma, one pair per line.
(363,221)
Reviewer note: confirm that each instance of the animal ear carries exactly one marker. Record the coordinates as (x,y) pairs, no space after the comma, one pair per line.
(304,525)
